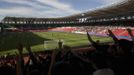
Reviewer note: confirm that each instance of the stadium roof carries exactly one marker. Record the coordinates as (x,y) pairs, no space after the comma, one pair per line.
(125,7)
(122,8)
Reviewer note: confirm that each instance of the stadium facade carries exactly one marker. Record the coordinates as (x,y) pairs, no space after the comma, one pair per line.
(116,14)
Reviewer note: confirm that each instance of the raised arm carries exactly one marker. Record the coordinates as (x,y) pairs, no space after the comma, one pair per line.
(95,44)
(113,36)
(131,34)
(53,57)
(90,39)
(32,56)
(20,61)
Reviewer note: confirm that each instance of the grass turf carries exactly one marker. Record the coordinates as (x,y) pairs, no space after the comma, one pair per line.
(9,41)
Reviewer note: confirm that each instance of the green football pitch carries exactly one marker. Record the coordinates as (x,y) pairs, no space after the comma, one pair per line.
(42,41)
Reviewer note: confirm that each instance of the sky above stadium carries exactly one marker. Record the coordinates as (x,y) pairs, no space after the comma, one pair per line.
(49,8)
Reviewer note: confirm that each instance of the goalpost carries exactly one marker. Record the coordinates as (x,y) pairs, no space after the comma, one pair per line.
(52,43)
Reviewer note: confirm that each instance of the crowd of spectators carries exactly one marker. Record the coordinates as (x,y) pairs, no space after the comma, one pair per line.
(102,29)
(107,59)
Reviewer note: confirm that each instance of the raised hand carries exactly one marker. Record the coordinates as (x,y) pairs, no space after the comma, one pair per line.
(110,33)
(131,34)
(112,36)
(89,38)
(32,55)
(129,31)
